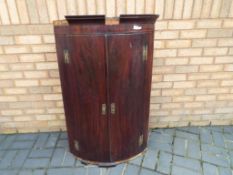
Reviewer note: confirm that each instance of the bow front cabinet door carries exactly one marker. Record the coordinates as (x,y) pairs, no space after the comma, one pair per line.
(105,71)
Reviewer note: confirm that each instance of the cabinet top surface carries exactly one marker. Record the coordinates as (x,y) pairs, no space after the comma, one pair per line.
(98,24)
(102,20)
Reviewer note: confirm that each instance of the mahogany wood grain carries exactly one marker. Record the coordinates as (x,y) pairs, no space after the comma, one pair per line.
(148,18)
(64,74)
(106,66)
(126,75)
(86,19)
(88,86)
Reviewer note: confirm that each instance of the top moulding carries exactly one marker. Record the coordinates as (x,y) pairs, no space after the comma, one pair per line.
(101,19)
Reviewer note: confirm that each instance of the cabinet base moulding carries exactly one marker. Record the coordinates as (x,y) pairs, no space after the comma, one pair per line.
(110,164)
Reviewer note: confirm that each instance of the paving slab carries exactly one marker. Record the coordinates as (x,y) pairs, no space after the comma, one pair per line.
(93,171)
(194,150)
(9,172)
(149,172)
(36,163)
(218,139)
(209,169)
(104,171)
(161,137)
(188,163)
(22,145)
(62,143)
(164,162)
(153,144)
(26,137)
(191,129)
(212,149)
(132,170)
(173,151)
(180,146)
(19,159)
(228,129)
(58,157)
(69,159)
(187,135)
(219,160)
(7,142)
(7,159)
(225,171)
(63,135)
(67,171)
(150,159)
(41,140)
(2,154)
(41,153)
(2,137)
(32,172)
(170,131)
(117,169)
(176,170)
(52,140)
(137,160)
(206,136)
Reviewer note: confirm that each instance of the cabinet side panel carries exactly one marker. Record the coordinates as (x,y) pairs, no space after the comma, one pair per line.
(148,78)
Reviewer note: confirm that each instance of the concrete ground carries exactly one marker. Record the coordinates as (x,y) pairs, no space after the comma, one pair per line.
(178,151)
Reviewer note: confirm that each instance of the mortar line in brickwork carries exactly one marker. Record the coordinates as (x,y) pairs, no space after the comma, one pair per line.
(86,6)
(173,7)
(195,19)
(135,7)
(50,24)
(163,9)
(8,13)
(171,19)
(153,5)
(18,12)
(115,3)
(96,7)
(56,9)
(28,12)
(192,9)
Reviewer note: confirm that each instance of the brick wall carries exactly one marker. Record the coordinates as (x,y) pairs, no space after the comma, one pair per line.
(192,71)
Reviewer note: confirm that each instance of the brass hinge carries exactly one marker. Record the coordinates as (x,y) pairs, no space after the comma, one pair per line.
(140,140)
(144,52)
(66,56)
(113,108)
(76,145)
(103,109)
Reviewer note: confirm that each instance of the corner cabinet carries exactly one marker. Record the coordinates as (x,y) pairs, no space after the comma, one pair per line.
(105,69)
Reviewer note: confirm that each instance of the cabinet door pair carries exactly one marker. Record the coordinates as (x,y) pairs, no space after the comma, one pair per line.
(107,88)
